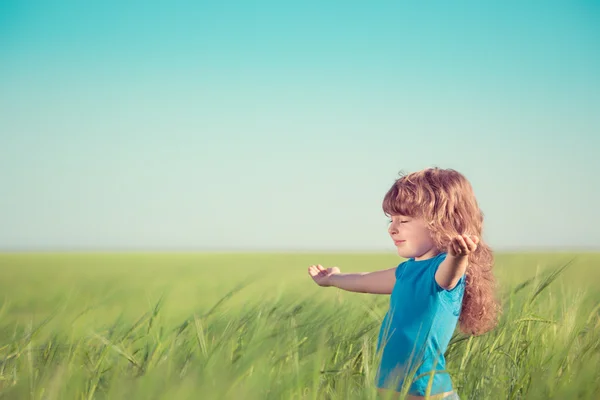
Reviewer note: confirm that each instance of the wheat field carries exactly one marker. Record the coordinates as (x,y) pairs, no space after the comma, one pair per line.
(255,326)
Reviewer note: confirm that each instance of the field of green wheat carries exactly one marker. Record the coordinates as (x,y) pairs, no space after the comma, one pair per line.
(255,326)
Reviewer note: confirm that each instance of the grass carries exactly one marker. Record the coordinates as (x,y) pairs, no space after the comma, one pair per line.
(254,326)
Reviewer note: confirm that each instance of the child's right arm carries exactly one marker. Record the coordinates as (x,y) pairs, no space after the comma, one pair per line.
(378,282)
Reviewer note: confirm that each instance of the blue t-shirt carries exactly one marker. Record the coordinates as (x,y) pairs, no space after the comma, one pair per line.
(416,330)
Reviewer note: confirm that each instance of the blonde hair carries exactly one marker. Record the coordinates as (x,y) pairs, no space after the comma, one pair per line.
(445,199)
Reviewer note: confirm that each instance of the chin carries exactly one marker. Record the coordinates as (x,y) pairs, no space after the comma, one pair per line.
(405,254)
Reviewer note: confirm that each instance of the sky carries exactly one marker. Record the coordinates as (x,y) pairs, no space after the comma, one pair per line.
(279,126)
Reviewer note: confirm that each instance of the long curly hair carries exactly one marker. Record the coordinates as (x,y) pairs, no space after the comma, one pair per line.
(444,198)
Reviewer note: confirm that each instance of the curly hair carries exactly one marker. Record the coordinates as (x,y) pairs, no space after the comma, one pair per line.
(444,198)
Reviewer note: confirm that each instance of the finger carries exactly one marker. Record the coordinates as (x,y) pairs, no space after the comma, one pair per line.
(474,238)
(461,243)
(474,244)
(458,248)
(455,248)
(470,244)
(461,247)
(452,243)
(320,267)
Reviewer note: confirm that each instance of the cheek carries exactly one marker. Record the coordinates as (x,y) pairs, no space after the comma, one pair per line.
(425,238)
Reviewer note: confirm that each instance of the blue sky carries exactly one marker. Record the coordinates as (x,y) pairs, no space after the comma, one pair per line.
(275,126)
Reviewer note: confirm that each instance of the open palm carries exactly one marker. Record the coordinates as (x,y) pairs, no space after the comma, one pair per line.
(321,275)
(462,245)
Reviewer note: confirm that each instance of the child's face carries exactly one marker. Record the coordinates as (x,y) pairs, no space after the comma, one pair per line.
(411,237)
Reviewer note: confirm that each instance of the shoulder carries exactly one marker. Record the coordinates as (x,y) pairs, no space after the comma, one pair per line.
(435,261)
(400,268)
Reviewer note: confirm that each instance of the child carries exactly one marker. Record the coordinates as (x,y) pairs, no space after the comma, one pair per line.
(436,224)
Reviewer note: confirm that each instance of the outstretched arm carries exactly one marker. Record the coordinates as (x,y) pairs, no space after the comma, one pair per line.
(378,282)
(454,266)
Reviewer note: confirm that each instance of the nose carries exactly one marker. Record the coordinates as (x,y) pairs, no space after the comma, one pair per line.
(392,229)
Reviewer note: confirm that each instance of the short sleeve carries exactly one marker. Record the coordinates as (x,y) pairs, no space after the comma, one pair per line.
(400,270)
(452,297)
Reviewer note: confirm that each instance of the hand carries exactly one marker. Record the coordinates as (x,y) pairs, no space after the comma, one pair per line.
(462,245)
(321,275)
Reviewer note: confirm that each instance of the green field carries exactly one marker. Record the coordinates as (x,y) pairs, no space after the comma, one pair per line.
(255,326)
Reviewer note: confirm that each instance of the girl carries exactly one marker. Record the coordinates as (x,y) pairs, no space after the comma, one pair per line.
(436,224)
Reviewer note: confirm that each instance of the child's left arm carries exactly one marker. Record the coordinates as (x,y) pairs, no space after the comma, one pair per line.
(454,266)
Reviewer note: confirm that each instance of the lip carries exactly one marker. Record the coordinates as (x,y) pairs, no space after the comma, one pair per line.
(399,241)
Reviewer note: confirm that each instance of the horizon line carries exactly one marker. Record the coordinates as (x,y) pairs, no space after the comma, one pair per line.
(512,249)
